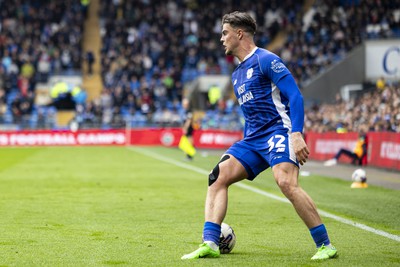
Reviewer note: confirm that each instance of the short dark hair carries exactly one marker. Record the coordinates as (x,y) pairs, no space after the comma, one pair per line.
(240,20)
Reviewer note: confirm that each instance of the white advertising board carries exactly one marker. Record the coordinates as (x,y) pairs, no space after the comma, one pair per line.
(382,59)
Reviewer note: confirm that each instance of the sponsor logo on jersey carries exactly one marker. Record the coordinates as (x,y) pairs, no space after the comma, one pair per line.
(241,89)
(277,66)
(245,97)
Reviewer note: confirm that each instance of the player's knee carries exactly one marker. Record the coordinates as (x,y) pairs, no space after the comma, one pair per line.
(285,176)
(215,173)
(283,184)
(287,187)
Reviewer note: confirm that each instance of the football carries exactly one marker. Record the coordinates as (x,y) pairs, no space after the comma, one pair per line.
(359,176)
(227,239)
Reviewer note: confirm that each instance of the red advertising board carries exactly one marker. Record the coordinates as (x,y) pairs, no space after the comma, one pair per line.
(155,136)
(324,146)
(171,137)
(63,138)
(384,150)
(216,138)
(383,147)
(145,136)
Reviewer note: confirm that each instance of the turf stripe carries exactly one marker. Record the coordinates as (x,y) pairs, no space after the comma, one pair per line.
(261,192)
(326,214)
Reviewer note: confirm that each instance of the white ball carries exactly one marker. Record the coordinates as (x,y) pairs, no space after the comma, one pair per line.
(227,239)
(359,176)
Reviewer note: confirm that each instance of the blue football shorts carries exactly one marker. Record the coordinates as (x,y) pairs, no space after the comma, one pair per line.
(278,150)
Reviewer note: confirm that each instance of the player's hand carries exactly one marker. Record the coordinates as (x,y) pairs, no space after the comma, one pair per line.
(300,147)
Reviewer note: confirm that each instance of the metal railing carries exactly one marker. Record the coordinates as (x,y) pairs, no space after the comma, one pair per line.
(39,120)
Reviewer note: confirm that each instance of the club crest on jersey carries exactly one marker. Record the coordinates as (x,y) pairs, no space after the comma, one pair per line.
(249,73)
(277,66)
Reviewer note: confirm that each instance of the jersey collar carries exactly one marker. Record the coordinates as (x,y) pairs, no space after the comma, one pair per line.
(249,55)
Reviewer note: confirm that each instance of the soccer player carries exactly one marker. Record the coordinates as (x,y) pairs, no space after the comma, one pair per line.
(187,128)
(274,115)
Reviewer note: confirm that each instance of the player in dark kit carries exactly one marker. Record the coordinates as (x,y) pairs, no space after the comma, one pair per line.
(187,128)
(274,115)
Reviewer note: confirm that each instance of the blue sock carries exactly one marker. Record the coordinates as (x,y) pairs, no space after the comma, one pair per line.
(320,235)
(212,232)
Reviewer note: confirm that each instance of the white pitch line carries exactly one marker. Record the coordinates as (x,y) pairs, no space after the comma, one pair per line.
(261,192)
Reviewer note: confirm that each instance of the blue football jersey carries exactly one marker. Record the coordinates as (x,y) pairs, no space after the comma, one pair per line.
(265,106)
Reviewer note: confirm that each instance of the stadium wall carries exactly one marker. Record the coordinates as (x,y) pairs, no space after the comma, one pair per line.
(324,87)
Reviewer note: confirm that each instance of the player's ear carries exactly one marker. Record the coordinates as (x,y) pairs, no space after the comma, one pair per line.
(239,33)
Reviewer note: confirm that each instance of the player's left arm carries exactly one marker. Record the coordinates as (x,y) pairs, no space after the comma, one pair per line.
(273,67)
(289,88)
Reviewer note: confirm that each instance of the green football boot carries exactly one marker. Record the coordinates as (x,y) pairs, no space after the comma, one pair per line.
(324,253)
(204,251)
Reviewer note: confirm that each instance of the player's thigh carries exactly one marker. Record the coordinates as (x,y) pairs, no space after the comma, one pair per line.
(286,173)
(231,170)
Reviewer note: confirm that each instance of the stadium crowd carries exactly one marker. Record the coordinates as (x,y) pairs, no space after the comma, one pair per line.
(37,39)
(331,29)
(375,110)
(150,49)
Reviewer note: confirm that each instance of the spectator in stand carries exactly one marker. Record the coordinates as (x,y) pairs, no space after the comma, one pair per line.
(3,103)
(85,7)
(22,106)
(23,85)
(90,61)
(380,84)
(106,103)
(214,95)
(43,66)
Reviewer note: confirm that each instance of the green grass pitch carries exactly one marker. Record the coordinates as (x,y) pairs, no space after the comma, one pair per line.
(127,206)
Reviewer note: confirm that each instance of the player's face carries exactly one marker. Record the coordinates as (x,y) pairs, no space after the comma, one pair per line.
(229,39)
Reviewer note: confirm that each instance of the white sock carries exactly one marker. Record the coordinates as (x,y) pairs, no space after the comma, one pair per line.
(212,245)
